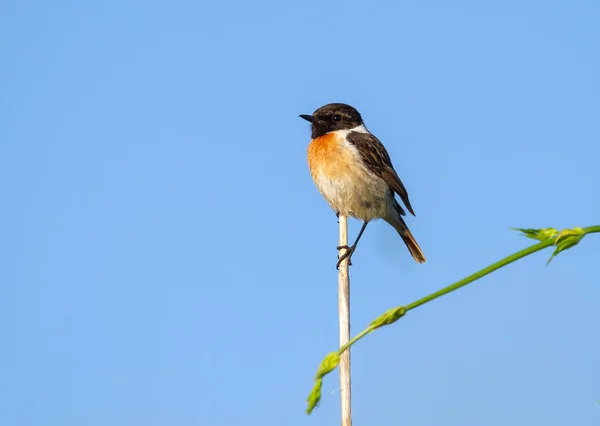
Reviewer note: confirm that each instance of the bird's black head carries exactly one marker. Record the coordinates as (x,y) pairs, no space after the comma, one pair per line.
(332,117)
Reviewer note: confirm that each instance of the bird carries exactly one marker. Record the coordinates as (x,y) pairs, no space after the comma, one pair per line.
(354,173)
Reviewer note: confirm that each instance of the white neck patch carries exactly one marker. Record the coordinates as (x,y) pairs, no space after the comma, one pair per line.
(357,129)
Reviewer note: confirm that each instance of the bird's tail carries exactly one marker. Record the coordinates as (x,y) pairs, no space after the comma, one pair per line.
(398,223)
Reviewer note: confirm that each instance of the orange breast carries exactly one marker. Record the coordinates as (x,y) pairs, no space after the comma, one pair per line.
(328,156)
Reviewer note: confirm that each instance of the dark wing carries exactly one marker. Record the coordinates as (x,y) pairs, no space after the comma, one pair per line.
(377,159)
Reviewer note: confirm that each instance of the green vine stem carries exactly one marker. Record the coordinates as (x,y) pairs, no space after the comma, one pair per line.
(563,240)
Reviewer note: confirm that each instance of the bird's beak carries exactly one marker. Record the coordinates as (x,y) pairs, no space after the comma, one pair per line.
(307,117)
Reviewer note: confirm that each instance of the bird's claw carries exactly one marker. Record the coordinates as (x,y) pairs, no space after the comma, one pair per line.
(347,254)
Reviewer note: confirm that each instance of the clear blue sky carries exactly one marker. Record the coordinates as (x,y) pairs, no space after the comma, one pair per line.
(167,260)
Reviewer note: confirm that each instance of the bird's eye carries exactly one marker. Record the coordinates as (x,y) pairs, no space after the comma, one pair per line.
(336,118)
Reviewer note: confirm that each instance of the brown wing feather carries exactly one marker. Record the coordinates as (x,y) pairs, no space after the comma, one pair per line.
(377,159)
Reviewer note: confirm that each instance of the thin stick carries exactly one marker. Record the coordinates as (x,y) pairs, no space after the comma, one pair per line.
(344,317)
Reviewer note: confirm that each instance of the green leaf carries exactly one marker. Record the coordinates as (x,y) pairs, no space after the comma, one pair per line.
(541,234)
(315,396)
(389,317)
(565,244)
(566,239)
(328,364)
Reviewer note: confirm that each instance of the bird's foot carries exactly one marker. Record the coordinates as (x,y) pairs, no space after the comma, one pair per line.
(347,254)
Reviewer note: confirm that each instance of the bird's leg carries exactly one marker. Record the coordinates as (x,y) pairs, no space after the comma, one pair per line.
(349,250)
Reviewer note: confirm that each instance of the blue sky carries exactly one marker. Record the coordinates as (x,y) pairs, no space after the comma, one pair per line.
(168,260)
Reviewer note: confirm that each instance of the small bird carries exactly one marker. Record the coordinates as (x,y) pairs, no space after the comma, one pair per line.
(354,173)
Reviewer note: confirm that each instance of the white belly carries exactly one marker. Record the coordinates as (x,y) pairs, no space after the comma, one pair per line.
(357,193)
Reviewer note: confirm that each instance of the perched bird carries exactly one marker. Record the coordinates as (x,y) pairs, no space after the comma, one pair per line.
(354,173)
